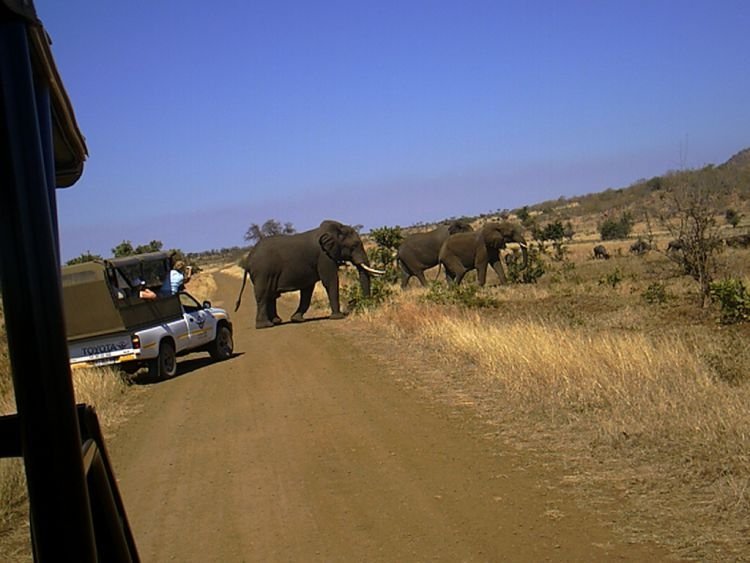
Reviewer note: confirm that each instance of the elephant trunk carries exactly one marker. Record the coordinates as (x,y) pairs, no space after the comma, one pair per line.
(525,252)
(364,280)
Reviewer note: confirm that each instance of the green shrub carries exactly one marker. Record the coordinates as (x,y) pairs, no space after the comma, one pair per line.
(533,271)
(655,294)
(467,295)
(612,279)
(551,231)
(380,291)
(612,229)
(383,256)
(733,300)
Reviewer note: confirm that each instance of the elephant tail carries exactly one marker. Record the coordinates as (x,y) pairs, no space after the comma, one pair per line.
(239,298)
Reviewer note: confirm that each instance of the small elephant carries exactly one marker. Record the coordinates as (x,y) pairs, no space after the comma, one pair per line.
(420,251)
(463,252)
(639,247)
(675,245)
(738,241)
(600,252)
(283,263)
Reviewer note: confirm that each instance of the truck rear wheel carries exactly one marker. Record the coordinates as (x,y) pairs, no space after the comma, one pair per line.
(223,345)
(164,365)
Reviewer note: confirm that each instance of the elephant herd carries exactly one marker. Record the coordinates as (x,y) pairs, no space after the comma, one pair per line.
(285,263)
(459,249)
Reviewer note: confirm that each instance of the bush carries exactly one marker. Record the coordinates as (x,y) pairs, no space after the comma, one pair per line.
(551,231)
(536,268)
(655,294)
(380,291)
(612,229)
(733,300)
(383,256)
(468,295)
(612,279)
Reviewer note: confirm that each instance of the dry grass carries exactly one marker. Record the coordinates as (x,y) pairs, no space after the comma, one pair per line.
(104,389)
(645,406)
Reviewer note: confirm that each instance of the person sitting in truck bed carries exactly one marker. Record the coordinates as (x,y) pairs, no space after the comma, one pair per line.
(176,279)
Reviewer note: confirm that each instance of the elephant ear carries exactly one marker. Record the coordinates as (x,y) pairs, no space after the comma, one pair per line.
(330,245)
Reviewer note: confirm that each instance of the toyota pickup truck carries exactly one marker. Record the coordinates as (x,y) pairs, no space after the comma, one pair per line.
(107,323)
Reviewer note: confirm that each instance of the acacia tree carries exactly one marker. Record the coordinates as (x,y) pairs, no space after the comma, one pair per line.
(691,219)
(387,239)
(125,248)
(84,257)
(270,228)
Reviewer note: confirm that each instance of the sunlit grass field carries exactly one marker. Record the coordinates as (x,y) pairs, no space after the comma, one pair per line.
(641,398)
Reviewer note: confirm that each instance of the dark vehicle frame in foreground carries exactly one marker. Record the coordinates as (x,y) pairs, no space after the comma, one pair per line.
(76,513)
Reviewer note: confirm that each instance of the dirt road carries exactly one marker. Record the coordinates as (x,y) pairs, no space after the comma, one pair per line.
(296,450)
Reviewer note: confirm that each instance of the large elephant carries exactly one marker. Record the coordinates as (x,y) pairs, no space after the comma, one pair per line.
(284,263)
(463,252)
(420,251)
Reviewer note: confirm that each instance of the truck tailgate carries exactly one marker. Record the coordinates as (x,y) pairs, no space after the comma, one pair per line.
(102,350)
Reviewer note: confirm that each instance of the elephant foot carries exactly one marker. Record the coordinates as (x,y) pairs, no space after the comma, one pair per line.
(337,316)
(263,324)
(276,320)
(298,318)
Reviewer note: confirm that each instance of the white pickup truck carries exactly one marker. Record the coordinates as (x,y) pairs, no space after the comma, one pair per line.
(108,323)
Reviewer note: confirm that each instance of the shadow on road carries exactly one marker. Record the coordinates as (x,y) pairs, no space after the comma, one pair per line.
(184,367)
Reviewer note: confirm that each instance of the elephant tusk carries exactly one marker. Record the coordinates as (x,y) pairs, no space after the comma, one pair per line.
(372,271)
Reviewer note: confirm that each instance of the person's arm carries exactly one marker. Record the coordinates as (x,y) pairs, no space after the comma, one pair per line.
(147,294)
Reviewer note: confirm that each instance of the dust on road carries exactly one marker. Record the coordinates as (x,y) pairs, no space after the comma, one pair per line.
(297,449)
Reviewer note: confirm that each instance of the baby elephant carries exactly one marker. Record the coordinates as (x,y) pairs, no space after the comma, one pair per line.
(600,253)
(640,247)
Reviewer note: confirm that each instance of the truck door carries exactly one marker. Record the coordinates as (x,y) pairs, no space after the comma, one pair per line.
(197,320)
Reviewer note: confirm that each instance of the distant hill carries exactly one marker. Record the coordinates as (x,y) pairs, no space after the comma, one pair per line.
(645,197)
(741,160)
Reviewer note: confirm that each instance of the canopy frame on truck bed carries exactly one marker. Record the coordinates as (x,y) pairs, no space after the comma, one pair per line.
(102,296)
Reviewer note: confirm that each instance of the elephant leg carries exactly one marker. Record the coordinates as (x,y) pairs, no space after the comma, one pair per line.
(265,302)
(498,267)
(482,274)
(459,276)
(332,289)
(454,270)
(272,311)
(305,296)
(420,276)
(405,275)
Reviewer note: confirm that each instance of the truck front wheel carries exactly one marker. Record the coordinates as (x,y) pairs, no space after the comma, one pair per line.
(165,364)
(223,346)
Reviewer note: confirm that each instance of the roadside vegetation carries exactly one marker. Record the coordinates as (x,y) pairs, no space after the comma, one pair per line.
(622,371)
(631,372)
(644,400)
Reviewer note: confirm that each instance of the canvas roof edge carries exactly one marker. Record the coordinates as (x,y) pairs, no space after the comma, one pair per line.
(137,258)
(69,143)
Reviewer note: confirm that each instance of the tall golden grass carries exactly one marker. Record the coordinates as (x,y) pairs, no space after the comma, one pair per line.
(104,389)
(652,405)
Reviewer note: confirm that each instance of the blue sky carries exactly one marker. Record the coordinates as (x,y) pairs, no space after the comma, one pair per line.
(203,118)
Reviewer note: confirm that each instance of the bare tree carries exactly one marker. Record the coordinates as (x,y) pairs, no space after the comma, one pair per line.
(691,219)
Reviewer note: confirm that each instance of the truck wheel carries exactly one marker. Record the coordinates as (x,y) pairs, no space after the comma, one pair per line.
(223,345)
(165,364)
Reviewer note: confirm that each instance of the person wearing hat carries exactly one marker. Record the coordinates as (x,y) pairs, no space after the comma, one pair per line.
(175,281)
